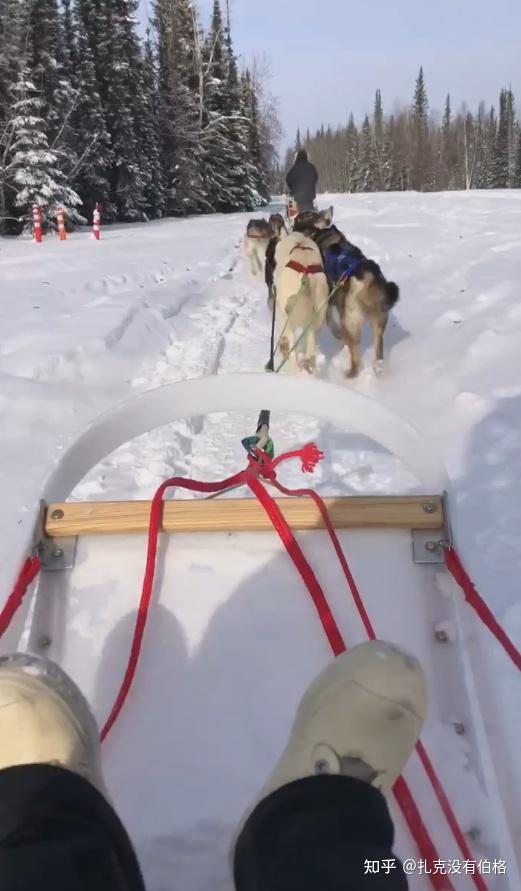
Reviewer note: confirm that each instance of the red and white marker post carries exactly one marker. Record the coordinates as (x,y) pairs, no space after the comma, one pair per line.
(60,218)
(96,222)
(37,224)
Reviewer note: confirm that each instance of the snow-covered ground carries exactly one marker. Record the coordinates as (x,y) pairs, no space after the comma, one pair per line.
(85,324)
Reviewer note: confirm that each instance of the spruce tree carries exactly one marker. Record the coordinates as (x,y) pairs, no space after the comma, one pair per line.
(447,154)
(367,174)
(501,153)
(245,177)
(149,136)
(420,111)
(512,142)
(120,85)
(37,176)
(378,127)
(517,174)
(181,96)
(224,161)
(392,180)
(351,160)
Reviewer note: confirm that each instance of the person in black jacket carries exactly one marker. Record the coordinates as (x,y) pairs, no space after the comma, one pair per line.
(302,182)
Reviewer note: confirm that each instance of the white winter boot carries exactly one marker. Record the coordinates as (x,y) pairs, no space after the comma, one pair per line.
(361,718)
(45,719)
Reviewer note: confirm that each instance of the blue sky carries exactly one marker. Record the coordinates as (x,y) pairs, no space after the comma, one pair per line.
(328,57)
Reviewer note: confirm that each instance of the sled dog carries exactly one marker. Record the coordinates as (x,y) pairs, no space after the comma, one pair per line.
(360,291)
(301,294)
(257,238)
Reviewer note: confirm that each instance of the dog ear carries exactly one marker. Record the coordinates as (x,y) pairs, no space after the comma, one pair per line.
(328,215)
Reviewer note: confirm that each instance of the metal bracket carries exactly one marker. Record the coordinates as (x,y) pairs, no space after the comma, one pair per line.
(55,554)
(428,546)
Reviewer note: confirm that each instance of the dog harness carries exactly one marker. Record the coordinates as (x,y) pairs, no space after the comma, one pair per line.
(341,265)
(313,269)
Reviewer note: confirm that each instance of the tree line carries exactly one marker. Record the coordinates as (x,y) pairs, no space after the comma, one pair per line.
(91,113)
(411,150)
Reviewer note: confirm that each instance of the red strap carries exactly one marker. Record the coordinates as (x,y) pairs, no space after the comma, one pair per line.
(156,512)
(304,270)
(401,789)
(264,467)
(27,575)
(261,465)
(455,566)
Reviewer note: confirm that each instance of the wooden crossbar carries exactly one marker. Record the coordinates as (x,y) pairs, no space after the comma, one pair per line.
(243,515)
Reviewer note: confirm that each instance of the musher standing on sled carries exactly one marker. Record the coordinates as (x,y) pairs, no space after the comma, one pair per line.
(301,181)
(317,822)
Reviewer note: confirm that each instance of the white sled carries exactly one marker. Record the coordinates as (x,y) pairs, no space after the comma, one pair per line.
(233,639)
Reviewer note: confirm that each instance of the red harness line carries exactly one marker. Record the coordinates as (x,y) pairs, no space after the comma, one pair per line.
(299,267)
(304,270)
(262,466)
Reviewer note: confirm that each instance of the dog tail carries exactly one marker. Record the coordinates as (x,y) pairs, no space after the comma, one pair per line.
(392,293)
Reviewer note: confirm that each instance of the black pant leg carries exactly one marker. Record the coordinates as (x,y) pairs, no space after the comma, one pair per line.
(58,833)
(316,835)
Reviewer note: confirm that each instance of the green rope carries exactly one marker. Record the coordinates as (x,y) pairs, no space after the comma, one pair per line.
(308,326)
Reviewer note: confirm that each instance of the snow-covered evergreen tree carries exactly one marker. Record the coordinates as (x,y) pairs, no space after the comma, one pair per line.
(181,96)
(367,172)
(351,154)
(36,172)
(420,112)
(150,140)
(93,151)
(511,138)
(517,174)
(391,173)
(378,131)
(501,153)
(47,62)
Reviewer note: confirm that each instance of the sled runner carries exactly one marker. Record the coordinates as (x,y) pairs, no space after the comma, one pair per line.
(244,599)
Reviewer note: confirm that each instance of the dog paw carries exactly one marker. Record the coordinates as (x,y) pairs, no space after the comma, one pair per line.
(308,365)
(284,347)
(379,368)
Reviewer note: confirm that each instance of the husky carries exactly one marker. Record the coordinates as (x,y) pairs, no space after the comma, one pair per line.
(258,235)
(301,293)
(359,290)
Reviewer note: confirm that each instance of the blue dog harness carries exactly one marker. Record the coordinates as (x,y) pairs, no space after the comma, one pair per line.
(341,265)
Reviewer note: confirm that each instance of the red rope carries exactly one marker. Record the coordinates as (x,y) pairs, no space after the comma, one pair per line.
(260,465)
(401,789)
(156,512)
(27,575)
(455,566)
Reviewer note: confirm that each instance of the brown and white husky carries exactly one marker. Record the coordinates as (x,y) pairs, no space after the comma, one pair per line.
(364,296)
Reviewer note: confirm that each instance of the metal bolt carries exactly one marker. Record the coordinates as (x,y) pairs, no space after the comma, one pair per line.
(57,552)
(431,546)
(44,642)
(459,728)
(429,507)
(441,635)
(322,766)
(57,514)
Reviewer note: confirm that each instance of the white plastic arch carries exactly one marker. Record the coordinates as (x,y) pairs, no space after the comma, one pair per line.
(243,392)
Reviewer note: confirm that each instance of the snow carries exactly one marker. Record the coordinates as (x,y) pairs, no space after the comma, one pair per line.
(86,324)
